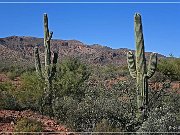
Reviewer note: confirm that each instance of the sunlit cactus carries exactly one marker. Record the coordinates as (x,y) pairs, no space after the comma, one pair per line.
(139,70)
(50,67)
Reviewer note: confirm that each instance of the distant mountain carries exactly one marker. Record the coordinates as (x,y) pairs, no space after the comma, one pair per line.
(18,50)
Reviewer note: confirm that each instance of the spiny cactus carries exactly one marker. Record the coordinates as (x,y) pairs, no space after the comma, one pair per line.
(138,68)
(50,67)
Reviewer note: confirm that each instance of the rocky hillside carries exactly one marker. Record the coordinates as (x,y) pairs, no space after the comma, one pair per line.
(8,119)
(19,50)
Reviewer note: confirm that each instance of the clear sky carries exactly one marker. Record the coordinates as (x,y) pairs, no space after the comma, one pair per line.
(111,25)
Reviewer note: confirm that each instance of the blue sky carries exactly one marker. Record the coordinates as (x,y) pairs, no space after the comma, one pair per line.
(111,25)
(90,0)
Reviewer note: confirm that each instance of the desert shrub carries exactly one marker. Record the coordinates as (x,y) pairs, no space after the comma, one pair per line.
(12,75)
(170,67)
(4,66)
(116,105)
(164,96)
(110,71)
(29,94)
(161,120)
(158,77)
(104,126)
(13,70)
(70,78)
(6,86)
(64,110)
(7,100)
(28,125)
(164,113)
(97,104)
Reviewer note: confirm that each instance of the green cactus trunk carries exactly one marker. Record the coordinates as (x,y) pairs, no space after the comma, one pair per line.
(48,81)
(50,69)
(138,69)
(140,62)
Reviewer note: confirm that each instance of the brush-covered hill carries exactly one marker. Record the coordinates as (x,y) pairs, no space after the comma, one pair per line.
(19,50)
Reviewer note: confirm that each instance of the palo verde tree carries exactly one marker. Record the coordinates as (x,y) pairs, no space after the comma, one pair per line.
(50,68)
(139,70)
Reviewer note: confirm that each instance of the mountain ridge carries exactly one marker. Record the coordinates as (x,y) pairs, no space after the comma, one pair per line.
(20,48)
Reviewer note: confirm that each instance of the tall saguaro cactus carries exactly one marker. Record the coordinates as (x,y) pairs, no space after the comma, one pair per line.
(50,67)
(138,68)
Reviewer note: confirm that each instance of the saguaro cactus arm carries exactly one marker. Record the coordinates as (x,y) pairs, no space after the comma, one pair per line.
(152,65)
(131,64)
(37,61)
(50,36)
(53,71)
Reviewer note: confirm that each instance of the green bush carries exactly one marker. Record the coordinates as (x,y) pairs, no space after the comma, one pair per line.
(158,77)
(110,71)
(6,66)
(12,75)
(14,70)
(98,104)
(29,94)
(170,67)
(164,113)
(27,125)
(70,78)
(7,100)
(104,126)
(6,86)
(161,120)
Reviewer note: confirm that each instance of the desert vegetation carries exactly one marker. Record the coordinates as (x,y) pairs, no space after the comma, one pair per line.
(94,98)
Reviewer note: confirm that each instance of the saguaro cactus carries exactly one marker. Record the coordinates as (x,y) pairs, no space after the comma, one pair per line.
(50,67)
(138,68)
